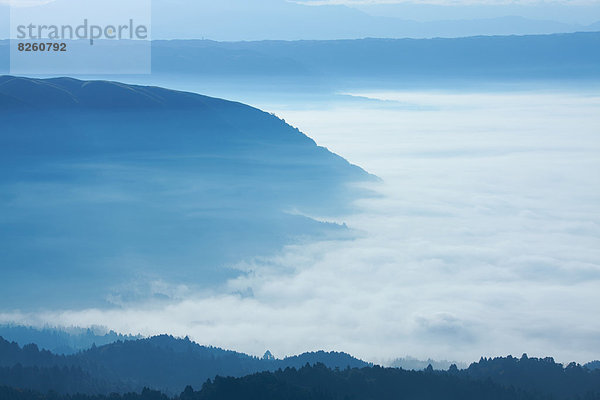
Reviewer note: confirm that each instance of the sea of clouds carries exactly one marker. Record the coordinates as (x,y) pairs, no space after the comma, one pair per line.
(484,240)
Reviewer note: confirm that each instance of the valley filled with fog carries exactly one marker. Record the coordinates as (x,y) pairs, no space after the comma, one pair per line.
(481,238)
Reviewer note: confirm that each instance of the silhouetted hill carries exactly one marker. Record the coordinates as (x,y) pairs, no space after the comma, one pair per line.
(160,362)
(537,375)
(170,364)
(319,382)
(110,183)
(498,57)
(60,341)
(329,359)
(57,379)
(593,365)
(504,57)
(10,393)
(572,56)
(414,364)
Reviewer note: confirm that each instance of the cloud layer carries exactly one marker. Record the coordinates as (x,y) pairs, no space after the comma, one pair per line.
(485,240)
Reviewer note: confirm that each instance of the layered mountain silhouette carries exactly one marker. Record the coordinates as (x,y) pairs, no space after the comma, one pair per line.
(570,56)
(174,366)
(286,20)
(62,341)
(319,382)
(537,375)
(352,62)
(278,19)
(105,184)
(160,362)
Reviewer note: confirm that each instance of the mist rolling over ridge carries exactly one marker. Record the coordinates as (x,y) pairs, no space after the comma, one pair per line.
(153,178)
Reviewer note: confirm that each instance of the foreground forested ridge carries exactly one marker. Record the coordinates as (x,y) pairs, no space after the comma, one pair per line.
(160,362)
(169,365)
(593,364)
(320,382)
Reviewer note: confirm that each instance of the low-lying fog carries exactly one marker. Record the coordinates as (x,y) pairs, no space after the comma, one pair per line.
(485,239)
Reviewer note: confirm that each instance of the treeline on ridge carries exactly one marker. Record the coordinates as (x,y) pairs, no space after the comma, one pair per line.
(168,365)
(321,383)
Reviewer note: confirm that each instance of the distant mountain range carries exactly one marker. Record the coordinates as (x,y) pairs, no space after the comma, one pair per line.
(169,364)
(353,62)
(567,56)
(65,341)
(107,188)
(234,20)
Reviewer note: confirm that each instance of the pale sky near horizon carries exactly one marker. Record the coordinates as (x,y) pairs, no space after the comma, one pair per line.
(583,12)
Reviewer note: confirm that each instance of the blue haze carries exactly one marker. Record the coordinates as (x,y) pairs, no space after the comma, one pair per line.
(105,184)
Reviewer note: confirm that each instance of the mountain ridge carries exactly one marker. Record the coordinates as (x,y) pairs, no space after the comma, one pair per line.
(122,185)
(161,362)
(169,364)
(490,57)
(66,92)
(325,63)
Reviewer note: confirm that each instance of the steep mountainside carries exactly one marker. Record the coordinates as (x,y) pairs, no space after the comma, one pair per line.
(125,185)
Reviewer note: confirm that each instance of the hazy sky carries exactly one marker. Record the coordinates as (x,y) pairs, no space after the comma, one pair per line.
(281,19)
(485,241)
(583,12)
